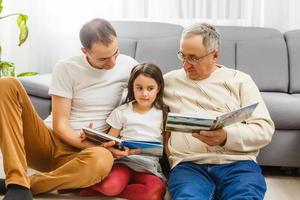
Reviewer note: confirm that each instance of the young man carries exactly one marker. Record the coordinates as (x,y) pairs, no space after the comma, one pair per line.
(84,90)
(216,164)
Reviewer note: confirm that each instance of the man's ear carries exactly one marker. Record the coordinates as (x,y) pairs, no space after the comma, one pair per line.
(216,55)
(84,51)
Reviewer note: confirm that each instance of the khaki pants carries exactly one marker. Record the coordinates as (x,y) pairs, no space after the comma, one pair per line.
(26,142)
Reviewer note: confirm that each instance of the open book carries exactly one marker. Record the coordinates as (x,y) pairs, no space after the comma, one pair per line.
(192,123)
(147,147)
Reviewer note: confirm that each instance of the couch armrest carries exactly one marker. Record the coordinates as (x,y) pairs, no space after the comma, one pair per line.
(37,85)
(37,88)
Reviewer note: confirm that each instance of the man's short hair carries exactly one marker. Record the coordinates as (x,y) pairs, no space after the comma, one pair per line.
(209,33)
(97,30)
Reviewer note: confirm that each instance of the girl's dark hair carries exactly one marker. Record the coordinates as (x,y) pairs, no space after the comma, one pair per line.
(152,71)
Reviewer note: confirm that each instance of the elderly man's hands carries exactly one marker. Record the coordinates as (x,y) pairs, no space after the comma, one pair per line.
(212,138)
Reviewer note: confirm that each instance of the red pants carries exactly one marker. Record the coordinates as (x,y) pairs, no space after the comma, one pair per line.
(126,183)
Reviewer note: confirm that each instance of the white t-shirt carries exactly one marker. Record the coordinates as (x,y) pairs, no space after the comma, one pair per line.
(94,92)
(136,126)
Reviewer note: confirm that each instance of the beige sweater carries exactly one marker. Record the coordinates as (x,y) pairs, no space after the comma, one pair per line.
(223,91)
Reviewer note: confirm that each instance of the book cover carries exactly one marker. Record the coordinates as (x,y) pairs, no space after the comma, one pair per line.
(193,123)
(147,147)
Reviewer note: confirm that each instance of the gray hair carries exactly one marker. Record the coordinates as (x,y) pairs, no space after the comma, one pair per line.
(209,33)
(97,30)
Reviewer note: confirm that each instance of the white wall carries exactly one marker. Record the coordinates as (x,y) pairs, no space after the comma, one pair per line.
(54,24)
(283,15)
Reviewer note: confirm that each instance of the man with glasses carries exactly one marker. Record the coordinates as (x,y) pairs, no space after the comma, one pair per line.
(216,164)
(84,90)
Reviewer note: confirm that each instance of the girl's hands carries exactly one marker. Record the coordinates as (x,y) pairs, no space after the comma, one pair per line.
(112,146)
(118,153)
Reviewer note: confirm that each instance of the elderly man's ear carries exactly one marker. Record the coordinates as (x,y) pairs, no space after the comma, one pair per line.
(216,56)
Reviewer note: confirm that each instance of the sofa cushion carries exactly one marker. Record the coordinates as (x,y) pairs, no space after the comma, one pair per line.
(162,52)
(127,46)
(266,62)
(155,42)
(41,105)
(227,53)
(37,85)
(142,30)
(293,45)
(284,109)
(260,52)
(239,33)
(282,151)
(296,95)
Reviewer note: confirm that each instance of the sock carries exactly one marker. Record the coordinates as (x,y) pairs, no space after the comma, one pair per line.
(3,188)
(17,192)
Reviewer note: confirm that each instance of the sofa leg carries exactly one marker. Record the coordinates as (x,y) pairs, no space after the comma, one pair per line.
(298,171)
(291,171)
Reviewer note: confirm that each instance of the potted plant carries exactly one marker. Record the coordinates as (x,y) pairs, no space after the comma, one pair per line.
(8,68)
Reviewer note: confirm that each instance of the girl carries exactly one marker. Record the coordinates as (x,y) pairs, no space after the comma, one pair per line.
(140,118)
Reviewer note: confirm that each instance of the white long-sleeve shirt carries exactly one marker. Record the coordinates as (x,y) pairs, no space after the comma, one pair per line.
(223,91)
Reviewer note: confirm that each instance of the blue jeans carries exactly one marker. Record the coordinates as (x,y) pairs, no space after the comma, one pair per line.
(238,180)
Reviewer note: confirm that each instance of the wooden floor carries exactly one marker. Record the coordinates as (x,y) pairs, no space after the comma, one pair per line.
(281,186)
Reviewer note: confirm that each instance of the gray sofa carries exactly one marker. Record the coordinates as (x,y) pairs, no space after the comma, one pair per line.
(270,57)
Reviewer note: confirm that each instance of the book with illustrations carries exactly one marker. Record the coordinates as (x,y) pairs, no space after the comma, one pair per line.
(147,147)
(192,123)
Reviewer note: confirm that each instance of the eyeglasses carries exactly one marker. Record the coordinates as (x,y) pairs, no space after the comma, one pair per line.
(192,59)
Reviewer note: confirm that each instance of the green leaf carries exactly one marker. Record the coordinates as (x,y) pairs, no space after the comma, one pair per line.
(21,21)
(27,74)
(6,64)
(7,68)
(1,7)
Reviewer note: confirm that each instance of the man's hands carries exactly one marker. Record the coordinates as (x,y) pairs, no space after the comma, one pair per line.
(112,146)
(212,138)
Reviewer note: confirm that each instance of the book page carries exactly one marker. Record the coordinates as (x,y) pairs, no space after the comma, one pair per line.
(98,137)
(147,147)
(187,123)
(191,123)
(235,116)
